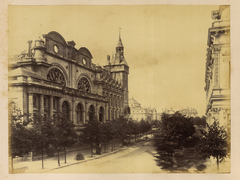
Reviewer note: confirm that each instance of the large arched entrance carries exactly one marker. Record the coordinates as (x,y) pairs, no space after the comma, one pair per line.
(79,114)
(91,112)
(65,109)
(101,114)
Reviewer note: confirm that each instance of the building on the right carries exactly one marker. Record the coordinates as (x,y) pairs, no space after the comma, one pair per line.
(218,68)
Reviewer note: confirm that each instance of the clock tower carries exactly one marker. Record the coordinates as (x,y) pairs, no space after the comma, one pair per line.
(120,69)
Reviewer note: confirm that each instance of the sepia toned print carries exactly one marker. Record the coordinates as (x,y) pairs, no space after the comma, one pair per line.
(119,89)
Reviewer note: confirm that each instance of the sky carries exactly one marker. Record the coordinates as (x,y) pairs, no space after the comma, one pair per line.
(164,45)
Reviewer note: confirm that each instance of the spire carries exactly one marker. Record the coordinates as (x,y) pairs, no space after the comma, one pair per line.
(119,44)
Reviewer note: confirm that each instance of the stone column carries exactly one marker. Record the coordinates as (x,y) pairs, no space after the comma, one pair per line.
(51,106)
(83,114)
(30,104)
(41,107)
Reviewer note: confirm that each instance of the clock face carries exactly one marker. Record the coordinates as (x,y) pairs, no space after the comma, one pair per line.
(84,61)
(55,48)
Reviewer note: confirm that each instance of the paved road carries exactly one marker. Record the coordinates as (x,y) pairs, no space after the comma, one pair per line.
(132,160)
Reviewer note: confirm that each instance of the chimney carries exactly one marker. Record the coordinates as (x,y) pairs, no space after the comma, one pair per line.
(29,48)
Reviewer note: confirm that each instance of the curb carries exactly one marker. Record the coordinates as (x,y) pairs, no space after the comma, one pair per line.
(93,158)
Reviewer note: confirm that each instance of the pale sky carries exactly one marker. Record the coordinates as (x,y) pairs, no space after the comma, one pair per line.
(165,46)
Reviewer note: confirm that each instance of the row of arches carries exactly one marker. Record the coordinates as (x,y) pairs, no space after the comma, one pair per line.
(80,112)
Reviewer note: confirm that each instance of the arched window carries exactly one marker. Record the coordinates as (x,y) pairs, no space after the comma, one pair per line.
(65,109)
(101,114)
(56,76)
(112,115)
(91,112)
(79,114)
(84,85)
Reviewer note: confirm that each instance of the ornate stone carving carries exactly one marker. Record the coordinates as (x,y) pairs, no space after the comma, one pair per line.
(84,85)
(216,49)
(216,15)
(216,109)
(56,76)
(72,54)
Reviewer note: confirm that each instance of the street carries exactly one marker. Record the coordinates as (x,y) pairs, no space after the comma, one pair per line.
(132,160)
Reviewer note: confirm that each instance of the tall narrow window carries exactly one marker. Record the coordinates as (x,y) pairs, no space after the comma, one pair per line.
(101,113)
(65,109)
(91,113)
(79,112)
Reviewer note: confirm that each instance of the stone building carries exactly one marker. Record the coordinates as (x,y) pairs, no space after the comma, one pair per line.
(189,112)
(218,66)
(138,113)
(53,76)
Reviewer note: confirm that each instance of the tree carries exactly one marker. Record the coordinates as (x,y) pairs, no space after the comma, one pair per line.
(108,131)
(93,134)
(44,135)
(21,132)
(65,135)
(123,128)
(135,128)
(175,131)
(213,143)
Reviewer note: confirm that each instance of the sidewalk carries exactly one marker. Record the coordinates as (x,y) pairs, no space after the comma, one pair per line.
(52,163)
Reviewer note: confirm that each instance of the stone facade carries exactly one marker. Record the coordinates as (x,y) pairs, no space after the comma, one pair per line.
(218,68)
(53,76)
(138,113)
(189,112)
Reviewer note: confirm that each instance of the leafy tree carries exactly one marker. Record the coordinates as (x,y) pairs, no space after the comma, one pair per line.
(65,134)
(93,133)
(199,121)
(20,133)
(176,130)
(123,128)
(44,135)
(108,131)
(213,143)
(145,126)
(135,128)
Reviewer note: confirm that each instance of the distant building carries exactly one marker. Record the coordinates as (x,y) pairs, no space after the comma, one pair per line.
(218,69)
(138,113)
(189,112)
